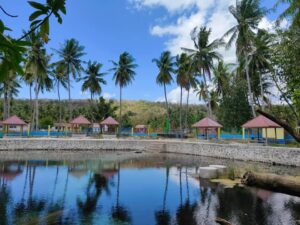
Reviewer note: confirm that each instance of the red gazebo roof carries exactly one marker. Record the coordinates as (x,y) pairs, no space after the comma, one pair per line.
(207,123)
(14,120)
(261,122)
(80,120)
(109,121)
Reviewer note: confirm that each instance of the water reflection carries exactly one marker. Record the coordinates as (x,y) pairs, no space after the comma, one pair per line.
(129,192)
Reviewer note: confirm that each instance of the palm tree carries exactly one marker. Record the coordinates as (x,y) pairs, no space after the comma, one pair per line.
(37,66)
(204,55)
(9,89)
(201,92)
(248,14)
(293,11)
(60,79)
(165,65)
(221,77)
(71,53)
(29,80)
(183,64)
(192,83)
(94,79)
(260,60)
(123,75)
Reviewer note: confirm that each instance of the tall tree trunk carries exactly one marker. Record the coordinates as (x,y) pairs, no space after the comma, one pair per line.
(59,102)
(207,94)
(36,90)
(180,113)
(8,104)
(251,100)
(120,116)
(5,105)
(283,95)
(187,109)
(261,92)
(69,92)
(167,105)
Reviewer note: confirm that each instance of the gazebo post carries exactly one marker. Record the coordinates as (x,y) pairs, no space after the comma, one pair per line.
(275,134)
(219,133)
(243,133)
(266,136)
(257,134)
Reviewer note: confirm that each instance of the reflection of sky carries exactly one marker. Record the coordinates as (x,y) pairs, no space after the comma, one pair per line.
(142,193)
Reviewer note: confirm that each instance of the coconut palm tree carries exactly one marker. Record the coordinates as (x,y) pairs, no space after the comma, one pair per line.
(260,60)
(94,79)
(71,53)
(37,66)
(124,72)
(192,83)
(292,11)
(248,14)
(201,92)
(221,77)
(9,89)
(29,80)
(165,65)
(204,54)
(183,64)
(60,80)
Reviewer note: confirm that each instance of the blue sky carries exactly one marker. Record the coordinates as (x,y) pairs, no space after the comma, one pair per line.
(144,28)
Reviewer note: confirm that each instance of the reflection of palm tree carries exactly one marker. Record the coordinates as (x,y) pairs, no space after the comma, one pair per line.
(185,212)
(4,199)
(119,212)
(88,206)
(163,216)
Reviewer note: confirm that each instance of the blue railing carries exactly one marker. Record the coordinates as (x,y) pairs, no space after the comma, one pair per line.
(39,134)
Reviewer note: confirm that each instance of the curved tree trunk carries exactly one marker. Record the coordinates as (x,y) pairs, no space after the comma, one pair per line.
(167,105)
(283,95)
(251,100)
(286,126)
(209,111)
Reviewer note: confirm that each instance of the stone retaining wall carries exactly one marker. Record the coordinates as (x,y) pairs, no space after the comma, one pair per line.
(279,155)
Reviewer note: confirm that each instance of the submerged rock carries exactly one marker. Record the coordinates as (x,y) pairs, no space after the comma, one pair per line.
(208,172)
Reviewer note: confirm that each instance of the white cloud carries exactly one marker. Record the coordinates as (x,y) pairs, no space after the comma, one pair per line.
(174,97)
(214,14)
(108,95)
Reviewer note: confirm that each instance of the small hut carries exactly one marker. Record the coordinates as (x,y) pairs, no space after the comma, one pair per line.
(141,129)
(15,124)
(79,122)
(62,126)
(265,128)
(208,125)
(109,125)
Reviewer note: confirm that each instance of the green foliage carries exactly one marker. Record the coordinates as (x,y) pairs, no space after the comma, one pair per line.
(40,17)
(234,108)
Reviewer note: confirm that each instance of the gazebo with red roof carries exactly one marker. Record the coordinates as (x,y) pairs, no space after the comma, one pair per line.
(14,121)
(260,122)
(109,125)
(207,124)
(79,122)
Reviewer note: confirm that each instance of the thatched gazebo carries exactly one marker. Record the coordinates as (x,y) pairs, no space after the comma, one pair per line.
(79,122)
(207,124)
(109,125)
(14,121)
(263,126)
